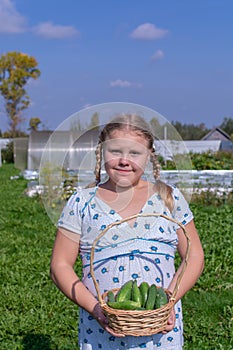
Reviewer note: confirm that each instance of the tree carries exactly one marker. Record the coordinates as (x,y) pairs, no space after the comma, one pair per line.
(16,69)
(156,128)
(227,126)
(190,131)
(34,123)
(94,123)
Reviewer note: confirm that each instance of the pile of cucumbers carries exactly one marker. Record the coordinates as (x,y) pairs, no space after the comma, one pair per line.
(133,297)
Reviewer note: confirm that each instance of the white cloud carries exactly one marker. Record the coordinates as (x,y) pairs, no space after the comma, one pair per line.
(158,55)
(53,31)
(11,21)
(120,83)
(124,84)
(148,31)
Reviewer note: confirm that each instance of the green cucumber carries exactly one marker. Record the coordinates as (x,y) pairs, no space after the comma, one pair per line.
(161,298)
(111,296)
(136,294)
(124,305)
(144,286)
(125,292)
(152,292)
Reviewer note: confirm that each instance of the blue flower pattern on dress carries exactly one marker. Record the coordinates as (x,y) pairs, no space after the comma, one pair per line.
(115,237)
(145,253)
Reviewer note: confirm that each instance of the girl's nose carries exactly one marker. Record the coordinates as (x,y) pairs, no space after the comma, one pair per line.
(124,160)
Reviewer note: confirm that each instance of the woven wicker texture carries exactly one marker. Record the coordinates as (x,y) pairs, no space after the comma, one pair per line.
(138,322)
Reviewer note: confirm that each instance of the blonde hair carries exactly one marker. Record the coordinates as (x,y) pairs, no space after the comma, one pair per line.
(135,123)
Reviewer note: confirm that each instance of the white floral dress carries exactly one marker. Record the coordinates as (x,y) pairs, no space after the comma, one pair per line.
(143,251)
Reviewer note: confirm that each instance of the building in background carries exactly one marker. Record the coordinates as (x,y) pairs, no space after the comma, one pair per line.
(78,149)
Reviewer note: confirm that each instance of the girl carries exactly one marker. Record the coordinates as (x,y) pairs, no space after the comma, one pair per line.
(143,249)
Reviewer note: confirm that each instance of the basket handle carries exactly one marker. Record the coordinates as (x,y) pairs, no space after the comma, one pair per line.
(102,233)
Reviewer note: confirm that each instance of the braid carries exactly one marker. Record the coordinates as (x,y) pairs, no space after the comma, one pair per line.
(155,163)
(98,153)
(97,172)
(164,190)
(137,124)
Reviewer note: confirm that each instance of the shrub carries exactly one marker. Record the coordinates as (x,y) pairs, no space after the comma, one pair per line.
(8,153)
(221,160)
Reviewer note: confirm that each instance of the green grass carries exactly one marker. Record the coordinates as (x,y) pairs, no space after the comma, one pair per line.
(34,315)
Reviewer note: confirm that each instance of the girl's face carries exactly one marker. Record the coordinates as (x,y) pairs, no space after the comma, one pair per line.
(125,155)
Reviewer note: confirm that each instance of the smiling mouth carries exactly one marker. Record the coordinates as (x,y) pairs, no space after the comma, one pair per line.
(124,170)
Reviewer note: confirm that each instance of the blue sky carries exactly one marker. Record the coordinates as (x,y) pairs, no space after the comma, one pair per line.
(173,56)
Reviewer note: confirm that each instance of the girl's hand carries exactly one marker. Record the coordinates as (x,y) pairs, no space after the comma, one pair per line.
(170,322)
(103,321)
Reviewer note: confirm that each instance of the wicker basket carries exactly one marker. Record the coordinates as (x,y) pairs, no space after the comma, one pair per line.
(138,322)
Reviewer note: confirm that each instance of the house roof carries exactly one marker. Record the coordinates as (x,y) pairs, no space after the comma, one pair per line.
(217,134)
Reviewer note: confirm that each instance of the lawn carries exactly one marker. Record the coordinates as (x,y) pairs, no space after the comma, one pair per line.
(34,315)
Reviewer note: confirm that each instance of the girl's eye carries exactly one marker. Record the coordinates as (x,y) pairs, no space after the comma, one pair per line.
(135,153)
(115,151)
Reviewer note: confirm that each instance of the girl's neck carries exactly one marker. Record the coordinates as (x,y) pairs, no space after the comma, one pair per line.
(112,186)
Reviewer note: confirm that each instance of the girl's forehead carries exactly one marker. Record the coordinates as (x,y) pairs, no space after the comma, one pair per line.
(127,142)
(126,134)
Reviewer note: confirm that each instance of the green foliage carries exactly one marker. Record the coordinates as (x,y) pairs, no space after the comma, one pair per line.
(34,123)
(221,160)
(210,197)
(190,131)
(210,301)
(227,126)
(8,153)
(198,332)
(54,197)
(16,69)
(34,315)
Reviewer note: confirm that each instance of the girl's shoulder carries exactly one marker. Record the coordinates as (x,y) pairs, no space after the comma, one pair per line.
(178,193)
(181,205)
(175,190)
(82,195)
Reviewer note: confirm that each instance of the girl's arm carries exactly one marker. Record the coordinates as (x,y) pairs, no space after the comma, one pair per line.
(65,252)
(194,267)
(195,263)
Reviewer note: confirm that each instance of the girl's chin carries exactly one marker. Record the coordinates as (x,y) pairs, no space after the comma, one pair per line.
(124,183)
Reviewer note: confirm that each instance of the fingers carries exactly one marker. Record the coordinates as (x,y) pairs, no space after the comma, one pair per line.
(170,322)
(105,325)
(103,321)
(111,331)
